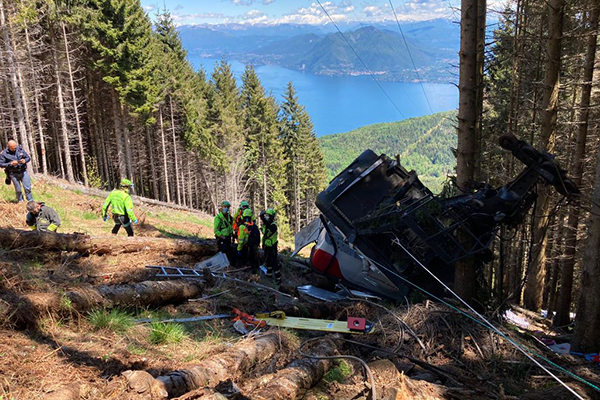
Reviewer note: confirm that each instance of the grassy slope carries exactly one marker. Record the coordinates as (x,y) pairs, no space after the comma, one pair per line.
(82,213)
(424,144)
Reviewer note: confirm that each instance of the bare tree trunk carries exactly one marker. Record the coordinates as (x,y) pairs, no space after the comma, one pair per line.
(17,95)
(176,159)
(189,180)
(464,281)
(62,113)
(535,280)
(9,106)
(564,305)
(210,191)
(126,141)
(164,151)
(28,138)
(119,134)
(38,108)
(15,238)
(106,159)
(75,108)
(209,372)
(587,320)
(150,149)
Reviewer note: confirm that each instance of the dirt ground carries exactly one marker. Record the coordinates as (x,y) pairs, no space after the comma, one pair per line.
(439,352)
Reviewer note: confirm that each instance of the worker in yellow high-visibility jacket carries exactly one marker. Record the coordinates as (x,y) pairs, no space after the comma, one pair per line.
(122,208)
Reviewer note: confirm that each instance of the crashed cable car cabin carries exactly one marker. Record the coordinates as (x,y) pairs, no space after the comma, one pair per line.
(378,221)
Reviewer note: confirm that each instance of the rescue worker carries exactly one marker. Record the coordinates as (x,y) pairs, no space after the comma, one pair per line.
(41,217)
(248,241)
(14,161)
(239,219)
(223,228)
(269,243)
(122,208)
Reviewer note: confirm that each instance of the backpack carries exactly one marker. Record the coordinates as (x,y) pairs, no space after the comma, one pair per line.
(254,238)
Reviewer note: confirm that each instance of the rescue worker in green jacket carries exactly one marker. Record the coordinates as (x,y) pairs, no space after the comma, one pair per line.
(122,208)
(269,243)
(223,228)
(248,241)
(41,217)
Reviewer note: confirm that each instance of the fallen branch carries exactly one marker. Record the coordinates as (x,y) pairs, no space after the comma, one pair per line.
(81,243)
(240,358)
(293,381)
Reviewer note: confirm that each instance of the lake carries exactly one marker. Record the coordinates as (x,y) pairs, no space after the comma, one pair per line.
(342,103)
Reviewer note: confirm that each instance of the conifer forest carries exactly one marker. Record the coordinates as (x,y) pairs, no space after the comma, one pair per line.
(268,262)
(96,94)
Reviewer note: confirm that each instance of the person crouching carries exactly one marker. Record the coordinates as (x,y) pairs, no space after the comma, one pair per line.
(41,217)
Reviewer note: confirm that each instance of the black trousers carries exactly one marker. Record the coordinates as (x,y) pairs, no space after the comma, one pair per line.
(122,220)
(225,247)
(271,260)
(249,256)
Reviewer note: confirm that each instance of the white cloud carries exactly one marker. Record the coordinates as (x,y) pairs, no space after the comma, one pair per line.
(339,11)
(267,2)
(376,11)
(315,15)
(184,19)
(411,10)
(149,8)
(253,14)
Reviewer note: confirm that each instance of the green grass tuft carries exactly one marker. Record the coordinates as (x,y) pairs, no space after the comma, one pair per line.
(166,333)
(136,349)
(65,302)
(116,320)
(90,216)
(339,373)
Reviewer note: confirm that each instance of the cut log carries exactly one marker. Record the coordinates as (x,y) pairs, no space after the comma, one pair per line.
(147,294)
(27,308)
(293,381)
(391,384)
(69,392)
(16,238)
(240,358)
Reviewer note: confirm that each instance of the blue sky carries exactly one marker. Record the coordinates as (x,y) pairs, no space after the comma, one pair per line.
(302,11)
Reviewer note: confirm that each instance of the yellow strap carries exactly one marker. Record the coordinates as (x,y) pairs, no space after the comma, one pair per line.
(273,314)
(52,227)
(312,324)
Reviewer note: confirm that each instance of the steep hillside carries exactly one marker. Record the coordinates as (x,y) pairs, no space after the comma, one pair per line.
(424,144)
(83,213)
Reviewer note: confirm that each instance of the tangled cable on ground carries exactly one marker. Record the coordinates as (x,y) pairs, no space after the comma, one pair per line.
(348,357)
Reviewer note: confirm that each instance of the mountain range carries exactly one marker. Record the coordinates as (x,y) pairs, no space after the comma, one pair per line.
(317,50)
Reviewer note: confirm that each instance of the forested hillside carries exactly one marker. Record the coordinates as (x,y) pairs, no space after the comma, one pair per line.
(424,144)
(96,93)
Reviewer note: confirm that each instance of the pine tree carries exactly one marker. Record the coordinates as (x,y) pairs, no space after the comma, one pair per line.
(224,122)
(305,164)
